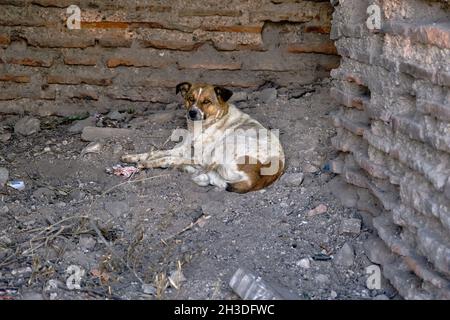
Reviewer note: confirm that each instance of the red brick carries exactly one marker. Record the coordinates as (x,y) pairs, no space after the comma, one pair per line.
(77,59)
(70,79)
(31,62)
(15,78)
(115,40)
(143,61)
(318,29)
(104,25)
(4,40)
(324,48)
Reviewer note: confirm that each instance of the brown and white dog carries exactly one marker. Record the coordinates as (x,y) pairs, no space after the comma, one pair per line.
(230,149)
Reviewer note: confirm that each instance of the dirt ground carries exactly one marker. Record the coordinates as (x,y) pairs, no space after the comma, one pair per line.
(130,235)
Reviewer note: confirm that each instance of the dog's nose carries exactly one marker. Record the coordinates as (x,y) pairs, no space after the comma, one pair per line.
(193,114)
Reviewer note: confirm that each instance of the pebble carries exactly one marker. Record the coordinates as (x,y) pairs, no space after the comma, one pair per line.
(116,115)
(77,195)
(345,256)
(352,226)
(309,168)
(4,137)
(79,125)
(148,289)
(27,126)
(381,297)
(4,176)
(293,179)
(304,263)
(333,294)
(87,242)
(43,192)
(320,209)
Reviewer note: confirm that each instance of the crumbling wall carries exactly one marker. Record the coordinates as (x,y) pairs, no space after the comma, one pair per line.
(393,131)
(131,54)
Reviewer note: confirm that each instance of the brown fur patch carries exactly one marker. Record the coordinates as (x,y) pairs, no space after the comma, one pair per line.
(256,181)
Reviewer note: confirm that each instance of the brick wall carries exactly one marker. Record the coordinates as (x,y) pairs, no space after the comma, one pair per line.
(394,136)
(131,54)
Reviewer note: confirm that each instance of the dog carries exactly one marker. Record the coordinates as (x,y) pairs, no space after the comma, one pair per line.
(231,150)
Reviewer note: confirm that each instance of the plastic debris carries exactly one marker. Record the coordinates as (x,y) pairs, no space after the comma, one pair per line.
(251,287)
(119,170)
(17,184)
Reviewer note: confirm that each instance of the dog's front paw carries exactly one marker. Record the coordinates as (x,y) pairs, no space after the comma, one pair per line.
(128,158)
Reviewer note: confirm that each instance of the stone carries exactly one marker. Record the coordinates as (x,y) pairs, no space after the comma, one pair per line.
(27,126)
(87,242)
(320,209)
(4,176)
(79,125)
(4,137)
(304,263)
(352,226)
(345,256)
(333,294)
(161,117)
(268,95)
(238,97)
(148,289)
(116,115)
(77,195)
(43,193)
(97,133)
(293,179)
(309,168)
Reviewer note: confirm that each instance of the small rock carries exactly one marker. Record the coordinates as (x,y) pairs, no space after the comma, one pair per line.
(4,176)
(43,193)
(79,125)
(351,226)
(77,195)
(239,96)
(345,256)
(115,115)
(27,126)
(309,168)
(268,95)
(21,271)
(293,179)
(333,294)
(304,263)
(320,209)
(4,137)
(87,242)
(148,289)
(322,278)
(98,133)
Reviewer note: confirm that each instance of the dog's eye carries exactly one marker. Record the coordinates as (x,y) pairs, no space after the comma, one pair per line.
(206,102)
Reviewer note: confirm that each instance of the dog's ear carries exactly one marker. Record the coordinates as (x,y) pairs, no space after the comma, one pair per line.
(183,87)
(223,93)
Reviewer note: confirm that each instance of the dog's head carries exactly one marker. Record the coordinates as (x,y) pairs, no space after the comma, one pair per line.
(203,101)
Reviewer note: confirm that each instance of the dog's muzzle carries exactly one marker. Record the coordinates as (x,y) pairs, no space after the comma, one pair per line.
(195,114)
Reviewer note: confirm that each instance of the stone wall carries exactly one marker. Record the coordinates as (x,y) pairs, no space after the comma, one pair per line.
(131,54)
(393,131)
